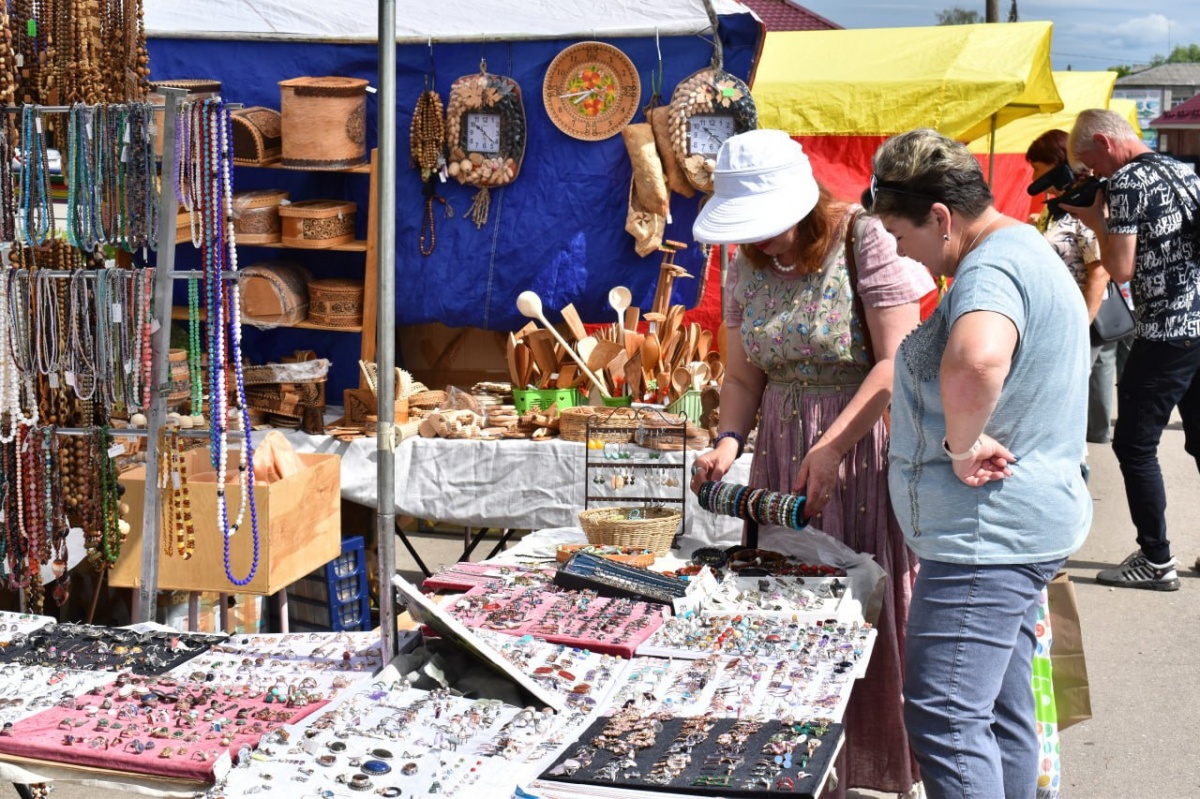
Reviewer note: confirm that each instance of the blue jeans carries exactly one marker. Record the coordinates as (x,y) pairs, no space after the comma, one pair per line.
(1158,377)
(968,695)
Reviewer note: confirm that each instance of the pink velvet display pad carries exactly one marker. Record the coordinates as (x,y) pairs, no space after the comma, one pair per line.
(465,575)
(40,737)
(560,617)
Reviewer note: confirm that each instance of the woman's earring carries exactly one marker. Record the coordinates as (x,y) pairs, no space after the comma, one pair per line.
(945,237)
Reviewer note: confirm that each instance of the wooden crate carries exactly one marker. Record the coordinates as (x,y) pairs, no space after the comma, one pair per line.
(299,522)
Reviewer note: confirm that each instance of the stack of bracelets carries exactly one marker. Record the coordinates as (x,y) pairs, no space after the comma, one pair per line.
(755,504)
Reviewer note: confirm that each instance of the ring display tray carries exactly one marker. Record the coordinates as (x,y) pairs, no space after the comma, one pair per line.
(585,571)
(706,757)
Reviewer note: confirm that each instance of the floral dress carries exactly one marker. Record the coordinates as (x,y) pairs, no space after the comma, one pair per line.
(802,331)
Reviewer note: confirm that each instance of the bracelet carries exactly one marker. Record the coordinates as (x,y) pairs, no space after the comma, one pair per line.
(741,440)
(962,456)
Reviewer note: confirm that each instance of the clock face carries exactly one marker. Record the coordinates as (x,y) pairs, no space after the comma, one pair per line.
(591,91)
(707,132)
(483,133)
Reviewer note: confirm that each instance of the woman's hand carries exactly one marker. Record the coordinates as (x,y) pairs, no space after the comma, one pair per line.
(818,477)
(714,464)
(990,463)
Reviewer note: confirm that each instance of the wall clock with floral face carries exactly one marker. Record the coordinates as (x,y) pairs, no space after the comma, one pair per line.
(591,91)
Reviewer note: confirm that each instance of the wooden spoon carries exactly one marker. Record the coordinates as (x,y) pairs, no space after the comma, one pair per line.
(632,315)
(510,355)
(722,340)
(585,347)
(681,381)
(524,365)
(619,298)
(633,379)
(650,353)
(603,353)
(664,385)
(703,344)
(530,304)
(699,370)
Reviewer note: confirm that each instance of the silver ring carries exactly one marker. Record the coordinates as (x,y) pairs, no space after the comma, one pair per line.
(695,469)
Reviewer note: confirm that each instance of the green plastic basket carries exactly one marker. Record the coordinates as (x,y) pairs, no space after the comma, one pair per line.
(688,405)
(526,399)
(618,402)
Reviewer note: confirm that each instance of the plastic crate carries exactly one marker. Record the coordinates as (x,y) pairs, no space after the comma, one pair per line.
(334,597)
(526,399)
(689,405)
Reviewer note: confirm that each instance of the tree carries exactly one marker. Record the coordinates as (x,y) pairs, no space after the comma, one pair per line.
(958,16)
(1183,54)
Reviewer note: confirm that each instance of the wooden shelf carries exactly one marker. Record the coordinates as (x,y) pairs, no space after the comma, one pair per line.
(179,312)
(359,245)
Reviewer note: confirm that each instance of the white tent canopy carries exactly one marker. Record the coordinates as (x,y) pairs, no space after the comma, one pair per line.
(439,20)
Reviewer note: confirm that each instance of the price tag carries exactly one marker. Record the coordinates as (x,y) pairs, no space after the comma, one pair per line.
(124,153)
(152,128)
(53,377)
(154,326)
(37,123)
(176,483)
(129,367)
(21,62)
(728,91)
(115,450)
(117,313)
(69,378)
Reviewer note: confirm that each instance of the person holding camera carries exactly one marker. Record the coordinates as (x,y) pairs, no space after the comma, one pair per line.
(1150,238)
(1076,244)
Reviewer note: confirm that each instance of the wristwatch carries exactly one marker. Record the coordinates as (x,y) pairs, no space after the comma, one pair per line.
(962,456)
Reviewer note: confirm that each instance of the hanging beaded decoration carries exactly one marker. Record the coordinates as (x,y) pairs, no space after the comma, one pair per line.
(211,194)
(177,528)
(37,217)
(114,529)
(427,142)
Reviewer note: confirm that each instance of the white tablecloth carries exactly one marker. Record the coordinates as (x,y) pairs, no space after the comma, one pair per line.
(518,484)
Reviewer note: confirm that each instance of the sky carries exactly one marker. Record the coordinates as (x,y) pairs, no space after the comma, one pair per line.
(1088,35)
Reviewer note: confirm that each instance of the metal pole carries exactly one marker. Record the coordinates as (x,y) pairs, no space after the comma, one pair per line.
(160,343)
(385,249)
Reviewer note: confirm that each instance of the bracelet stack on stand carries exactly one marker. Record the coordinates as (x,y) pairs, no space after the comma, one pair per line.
(753,504)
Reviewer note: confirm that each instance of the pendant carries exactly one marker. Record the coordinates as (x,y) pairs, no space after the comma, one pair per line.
(59,567)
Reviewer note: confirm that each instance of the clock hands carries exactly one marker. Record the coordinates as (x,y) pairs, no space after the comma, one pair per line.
(483,133)
(577,97)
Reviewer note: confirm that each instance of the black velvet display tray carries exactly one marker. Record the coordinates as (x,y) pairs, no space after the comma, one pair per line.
(804,787)
(92,648)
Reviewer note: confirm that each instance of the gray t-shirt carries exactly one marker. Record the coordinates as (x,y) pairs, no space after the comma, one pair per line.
(1043,511)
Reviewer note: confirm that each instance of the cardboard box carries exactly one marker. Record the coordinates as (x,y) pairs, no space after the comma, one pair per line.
(299,522)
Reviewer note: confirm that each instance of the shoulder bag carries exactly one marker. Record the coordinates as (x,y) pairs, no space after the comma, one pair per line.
(1113,320)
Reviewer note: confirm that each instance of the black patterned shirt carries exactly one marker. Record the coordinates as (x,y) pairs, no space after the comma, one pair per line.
(1162,213)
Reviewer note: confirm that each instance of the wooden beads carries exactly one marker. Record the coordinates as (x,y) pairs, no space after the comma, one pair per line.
(427,134)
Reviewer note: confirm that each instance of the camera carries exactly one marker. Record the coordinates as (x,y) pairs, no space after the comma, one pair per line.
(1074,190)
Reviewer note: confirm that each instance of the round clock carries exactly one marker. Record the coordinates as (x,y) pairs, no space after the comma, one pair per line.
(707,108)
(591,91)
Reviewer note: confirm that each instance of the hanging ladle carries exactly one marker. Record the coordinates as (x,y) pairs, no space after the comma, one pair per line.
(530,305)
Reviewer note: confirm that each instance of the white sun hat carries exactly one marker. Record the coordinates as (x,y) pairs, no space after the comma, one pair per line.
(763,184)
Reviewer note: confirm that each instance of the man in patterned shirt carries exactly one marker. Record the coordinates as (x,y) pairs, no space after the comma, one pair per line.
(1151,237)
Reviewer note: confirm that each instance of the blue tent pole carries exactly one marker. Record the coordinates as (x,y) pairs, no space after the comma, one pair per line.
(385,328)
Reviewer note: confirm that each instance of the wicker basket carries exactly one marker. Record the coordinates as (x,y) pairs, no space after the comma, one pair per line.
(655,530)
(324,122)
(336,302)
(257,138)
(316,224)
(256,215)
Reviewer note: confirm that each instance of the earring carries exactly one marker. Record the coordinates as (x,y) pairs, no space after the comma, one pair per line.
(945,237)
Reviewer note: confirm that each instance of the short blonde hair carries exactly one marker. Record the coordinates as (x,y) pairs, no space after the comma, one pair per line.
(1093,121)
(916,169)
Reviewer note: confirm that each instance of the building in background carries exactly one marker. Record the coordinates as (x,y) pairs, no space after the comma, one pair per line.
(784,15)
(1179,131)
(1157,90)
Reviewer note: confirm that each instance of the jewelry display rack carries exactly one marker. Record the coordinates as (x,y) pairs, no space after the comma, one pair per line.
(625,472)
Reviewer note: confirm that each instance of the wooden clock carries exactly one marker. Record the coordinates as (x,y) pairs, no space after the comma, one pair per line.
(591,91)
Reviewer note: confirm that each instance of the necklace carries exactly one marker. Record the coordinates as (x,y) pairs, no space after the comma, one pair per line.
(788,269)
(982,230)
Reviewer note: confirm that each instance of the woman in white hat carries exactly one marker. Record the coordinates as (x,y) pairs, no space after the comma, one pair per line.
(820,372)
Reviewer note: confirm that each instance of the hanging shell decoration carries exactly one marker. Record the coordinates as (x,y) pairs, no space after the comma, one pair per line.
(707,91)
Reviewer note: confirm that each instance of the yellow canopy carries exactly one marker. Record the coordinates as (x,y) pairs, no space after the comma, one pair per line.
(1079,91)
(882,81)
(1127,109)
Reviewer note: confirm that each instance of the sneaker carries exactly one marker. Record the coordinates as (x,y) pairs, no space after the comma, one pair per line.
(1137,572)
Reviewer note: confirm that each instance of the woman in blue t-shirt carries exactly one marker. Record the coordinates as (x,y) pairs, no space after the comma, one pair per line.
(989,410)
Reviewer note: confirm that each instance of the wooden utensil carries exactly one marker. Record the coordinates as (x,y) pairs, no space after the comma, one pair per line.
(633,343)
(541,342)
(619,298)
(524,365)
(632,315)
(510,356)
(699,370)
(664,385)
(633,379)
(585,347)
(704,343)
(650,353)
(574,323)
(681,381)
(530,304)
(604,352)
(567,374)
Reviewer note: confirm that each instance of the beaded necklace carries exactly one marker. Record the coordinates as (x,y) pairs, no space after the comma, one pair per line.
(36,214)
(178,531)
(219,254)
(81,374)
(46,349)
(112,534)
(8,210)
(195,372)
(10,377)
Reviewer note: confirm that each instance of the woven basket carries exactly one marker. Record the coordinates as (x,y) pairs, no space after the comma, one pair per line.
(610,527)
(426,399)
(641,559)
(615,425)
(316,224)
(335,302)
(274,293)
(324,122)
(257,135)
(256,215)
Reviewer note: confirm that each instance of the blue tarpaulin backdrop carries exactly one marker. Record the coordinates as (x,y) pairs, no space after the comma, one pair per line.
(558,229)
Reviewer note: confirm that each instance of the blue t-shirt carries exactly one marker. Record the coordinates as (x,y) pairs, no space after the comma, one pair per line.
(1043,511)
